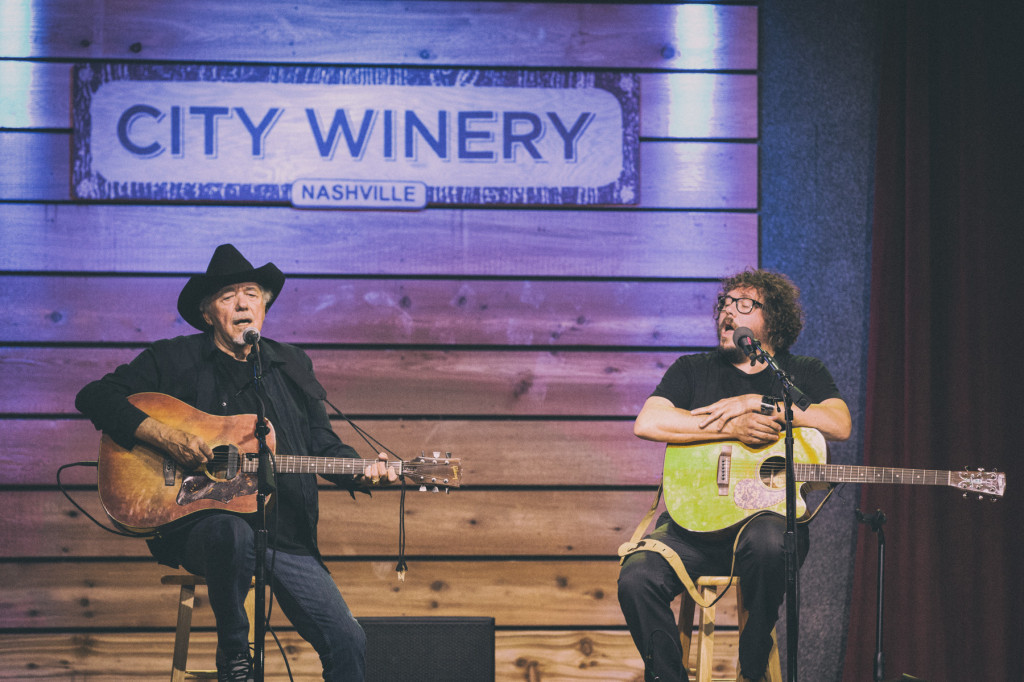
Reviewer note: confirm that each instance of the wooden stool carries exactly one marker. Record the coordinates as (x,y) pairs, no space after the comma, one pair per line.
(186,602)
(709,586)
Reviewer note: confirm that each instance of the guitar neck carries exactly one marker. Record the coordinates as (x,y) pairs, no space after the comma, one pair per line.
(303,464)
(841,473)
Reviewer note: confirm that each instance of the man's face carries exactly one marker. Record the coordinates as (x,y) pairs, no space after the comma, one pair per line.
(730,318)
(232,310)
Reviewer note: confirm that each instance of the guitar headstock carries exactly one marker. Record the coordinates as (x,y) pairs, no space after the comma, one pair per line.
(436,472)
(984,483)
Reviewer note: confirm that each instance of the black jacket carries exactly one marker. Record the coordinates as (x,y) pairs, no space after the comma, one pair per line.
(183,367)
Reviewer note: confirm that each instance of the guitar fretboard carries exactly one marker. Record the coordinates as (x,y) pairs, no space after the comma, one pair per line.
(303,464)
(839,473)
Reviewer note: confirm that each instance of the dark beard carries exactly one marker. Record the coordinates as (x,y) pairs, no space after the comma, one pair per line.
(733,356)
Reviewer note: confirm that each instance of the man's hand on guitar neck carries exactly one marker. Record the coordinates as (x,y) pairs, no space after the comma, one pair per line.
(378,471)
(187,449)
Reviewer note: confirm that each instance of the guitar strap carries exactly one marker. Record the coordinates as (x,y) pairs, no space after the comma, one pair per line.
(638,543)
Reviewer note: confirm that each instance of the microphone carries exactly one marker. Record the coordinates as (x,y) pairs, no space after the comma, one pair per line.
(745,341)
(251,336)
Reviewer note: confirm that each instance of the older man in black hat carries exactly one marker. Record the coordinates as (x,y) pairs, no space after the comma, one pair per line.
(209,372)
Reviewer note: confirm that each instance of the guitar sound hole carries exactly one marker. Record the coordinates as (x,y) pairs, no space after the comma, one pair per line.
(224,466)
(773,472)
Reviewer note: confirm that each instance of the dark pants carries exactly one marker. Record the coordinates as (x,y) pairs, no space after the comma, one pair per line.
(220,548)
(647,586)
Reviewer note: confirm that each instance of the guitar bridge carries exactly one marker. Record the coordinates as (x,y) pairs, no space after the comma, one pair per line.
(169,471)
(724,470)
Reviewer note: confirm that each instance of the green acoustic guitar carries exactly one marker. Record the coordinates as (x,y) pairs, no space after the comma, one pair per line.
(712,486)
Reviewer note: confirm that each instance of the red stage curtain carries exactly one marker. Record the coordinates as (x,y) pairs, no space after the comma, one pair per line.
(945,343)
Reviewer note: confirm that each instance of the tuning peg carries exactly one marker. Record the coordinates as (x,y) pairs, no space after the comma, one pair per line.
(436,490)
(423,489)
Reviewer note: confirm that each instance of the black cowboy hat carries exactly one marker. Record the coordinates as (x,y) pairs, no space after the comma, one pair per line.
(227,266)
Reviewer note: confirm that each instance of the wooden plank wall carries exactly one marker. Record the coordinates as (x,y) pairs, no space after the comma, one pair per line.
(522,340)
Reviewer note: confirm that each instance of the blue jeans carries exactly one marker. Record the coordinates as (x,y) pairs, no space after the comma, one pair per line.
(221,548)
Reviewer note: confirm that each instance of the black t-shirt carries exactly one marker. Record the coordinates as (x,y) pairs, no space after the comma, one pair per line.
(702,379)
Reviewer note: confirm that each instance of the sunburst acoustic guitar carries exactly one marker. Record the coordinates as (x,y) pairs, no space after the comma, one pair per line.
(143,489)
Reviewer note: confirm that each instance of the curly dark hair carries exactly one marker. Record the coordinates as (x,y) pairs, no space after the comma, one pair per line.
(783,314)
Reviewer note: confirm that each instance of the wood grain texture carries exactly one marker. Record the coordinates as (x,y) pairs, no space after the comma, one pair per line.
(408,33)
(541,655)
(378,311)
(684,175)
(493,452)
(555,592)
(520,244)
(391,382)
(495,523)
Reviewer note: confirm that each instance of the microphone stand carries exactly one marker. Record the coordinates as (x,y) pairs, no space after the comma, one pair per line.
(875,521)
(790,395)
(265,486)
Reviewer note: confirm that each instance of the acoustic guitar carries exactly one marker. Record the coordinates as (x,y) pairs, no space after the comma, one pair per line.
(143,489)
(715,485)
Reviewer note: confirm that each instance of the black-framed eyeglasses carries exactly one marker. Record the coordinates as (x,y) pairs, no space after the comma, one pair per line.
(743,304)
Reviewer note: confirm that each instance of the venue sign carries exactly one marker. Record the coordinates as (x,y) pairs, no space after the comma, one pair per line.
(359,137)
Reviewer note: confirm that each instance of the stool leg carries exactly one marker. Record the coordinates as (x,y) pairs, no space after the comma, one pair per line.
(774,672)
(250,611)
(706,636)
(686,608)
(186,602)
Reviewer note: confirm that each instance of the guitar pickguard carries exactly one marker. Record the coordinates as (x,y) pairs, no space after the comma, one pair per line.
(197,487)
(752,494)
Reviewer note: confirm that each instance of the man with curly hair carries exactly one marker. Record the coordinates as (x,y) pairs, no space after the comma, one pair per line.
(721,395)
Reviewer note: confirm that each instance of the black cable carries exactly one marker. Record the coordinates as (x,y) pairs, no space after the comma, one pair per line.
(122,533)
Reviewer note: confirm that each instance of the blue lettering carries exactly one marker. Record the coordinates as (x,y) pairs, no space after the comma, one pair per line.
(439,144)
(177,132)
(124,125)
(259,133)
(465,135)
(389,134)
(526,139)
(569,137)
(307,191)
(210,116)
(356,145)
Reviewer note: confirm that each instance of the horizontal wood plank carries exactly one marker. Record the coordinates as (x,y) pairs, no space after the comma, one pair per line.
(600,655)
(554,593)
(555,452)
(673,105)
(160,239)
(390,382)
(375,311)
(604,655)
(371,32)
(684,175)
(698,105)
(548,593)
(496,523)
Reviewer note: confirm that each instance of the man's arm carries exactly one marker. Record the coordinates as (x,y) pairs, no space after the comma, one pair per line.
(186,448)
(659,420)
(735,418)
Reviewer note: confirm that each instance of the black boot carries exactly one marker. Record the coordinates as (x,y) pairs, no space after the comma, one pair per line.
(234,667)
